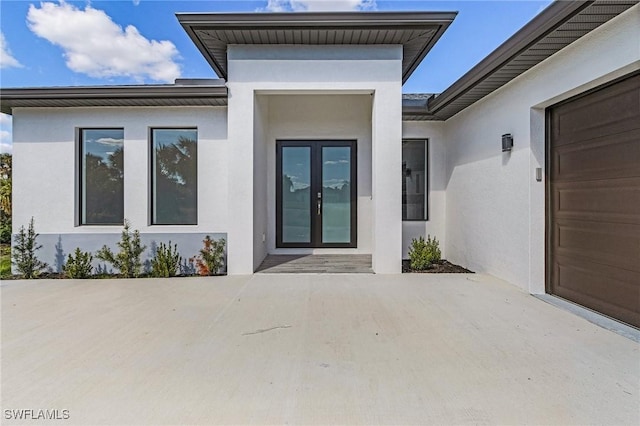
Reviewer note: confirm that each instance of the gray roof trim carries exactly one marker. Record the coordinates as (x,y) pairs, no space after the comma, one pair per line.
(414,107)
(91,96)
(559,25)
(303,28)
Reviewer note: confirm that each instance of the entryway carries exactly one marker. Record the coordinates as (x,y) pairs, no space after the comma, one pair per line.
(317,264)
(316,193)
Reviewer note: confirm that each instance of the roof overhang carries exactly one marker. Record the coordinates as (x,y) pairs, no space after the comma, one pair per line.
(414,107)
(209,93)
(417,32)
(559,25)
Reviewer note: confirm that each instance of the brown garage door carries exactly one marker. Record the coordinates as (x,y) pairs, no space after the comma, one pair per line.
(593,212)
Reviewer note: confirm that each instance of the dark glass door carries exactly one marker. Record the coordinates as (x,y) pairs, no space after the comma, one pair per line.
(316,194)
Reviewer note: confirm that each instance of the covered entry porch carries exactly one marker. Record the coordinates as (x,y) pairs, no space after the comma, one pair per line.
(315,193)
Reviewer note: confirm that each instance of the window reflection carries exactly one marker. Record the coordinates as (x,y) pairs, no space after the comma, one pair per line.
(174,177)
(336,194)
(102,183)
(414,180)
(296,194)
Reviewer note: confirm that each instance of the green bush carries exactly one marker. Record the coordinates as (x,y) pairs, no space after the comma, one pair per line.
(166,261)
(127,260)
(78,264)
(211,257)
(24,252)
(5,232)
(5,261)
(423,254)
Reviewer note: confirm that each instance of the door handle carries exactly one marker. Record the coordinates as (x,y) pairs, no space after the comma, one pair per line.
(319,207)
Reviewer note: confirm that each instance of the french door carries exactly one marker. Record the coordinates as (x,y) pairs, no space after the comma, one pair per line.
(316,193)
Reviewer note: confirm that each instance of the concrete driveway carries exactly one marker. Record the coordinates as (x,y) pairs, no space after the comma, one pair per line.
(308,349)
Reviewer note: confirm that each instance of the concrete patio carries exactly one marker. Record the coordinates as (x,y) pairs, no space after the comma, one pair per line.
(309,349)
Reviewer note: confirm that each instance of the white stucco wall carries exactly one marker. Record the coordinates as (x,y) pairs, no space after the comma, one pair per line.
(326,71)
(260,191)
(433,131)
(45,171)
(494,206)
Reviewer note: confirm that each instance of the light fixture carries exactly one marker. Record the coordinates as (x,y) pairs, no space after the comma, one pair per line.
(507,142)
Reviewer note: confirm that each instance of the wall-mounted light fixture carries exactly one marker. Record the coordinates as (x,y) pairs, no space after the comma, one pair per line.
(507,142)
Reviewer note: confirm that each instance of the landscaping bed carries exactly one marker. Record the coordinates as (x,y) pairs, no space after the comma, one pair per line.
(440,267)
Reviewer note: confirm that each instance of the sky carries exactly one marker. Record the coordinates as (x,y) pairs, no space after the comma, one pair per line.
(75,43)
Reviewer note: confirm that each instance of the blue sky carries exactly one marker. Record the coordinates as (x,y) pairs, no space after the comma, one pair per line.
(52,43)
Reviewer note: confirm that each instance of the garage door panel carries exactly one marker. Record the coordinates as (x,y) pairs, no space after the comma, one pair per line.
(593,280)
(604,157)
(609,200)
(587,285)
(601,113)
(617,245)
(593,226)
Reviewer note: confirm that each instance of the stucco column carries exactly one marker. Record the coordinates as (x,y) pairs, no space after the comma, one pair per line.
(240,202)
(386,167)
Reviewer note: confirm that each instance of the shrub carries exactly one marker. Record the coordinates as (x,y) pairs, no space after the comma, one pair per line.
(5,261)
(211,257)
(423,254)
(127,260)
(5,232)
(78,264)
(24,252)
(166,261)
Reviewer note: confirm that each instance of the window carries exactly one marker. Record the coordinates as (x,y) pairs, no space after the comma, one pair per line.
(174,177)
(102,176)
(414,180)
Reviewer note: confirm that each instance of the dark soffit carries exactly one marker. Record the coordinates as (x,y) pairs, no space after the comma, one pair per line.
(559,25)
(417,32)
(214,93)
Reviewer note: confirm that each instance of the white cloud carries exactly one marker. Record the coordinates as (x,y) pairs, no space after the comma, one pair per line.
(6,58)
(109,141)
(136,2)
(6,134)
(277,6)
(95,45)
(5,120)
(5,142)
(318,5)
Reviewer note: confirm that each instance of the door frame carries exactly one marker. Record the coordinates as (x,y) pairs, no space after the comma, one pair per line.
(316,182)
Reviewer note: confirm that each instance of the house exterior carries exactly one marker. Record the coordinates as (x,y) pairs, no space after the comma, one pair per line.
(307,145)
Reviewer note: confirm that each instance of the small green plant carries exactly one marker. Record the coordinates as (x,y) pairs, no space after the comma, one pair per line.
(5,261)
(127,260)
(78,264)
(24,252)
(423,254)
(211,257)
(5,232)
(166,261)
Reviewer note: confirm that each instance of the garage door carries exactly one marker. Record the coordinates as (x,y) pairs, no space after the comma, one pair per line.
(593,212)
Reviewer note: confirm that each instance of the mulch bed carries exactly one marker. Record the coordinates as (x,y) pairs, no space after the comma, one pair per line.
(442,267)
(60,276)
